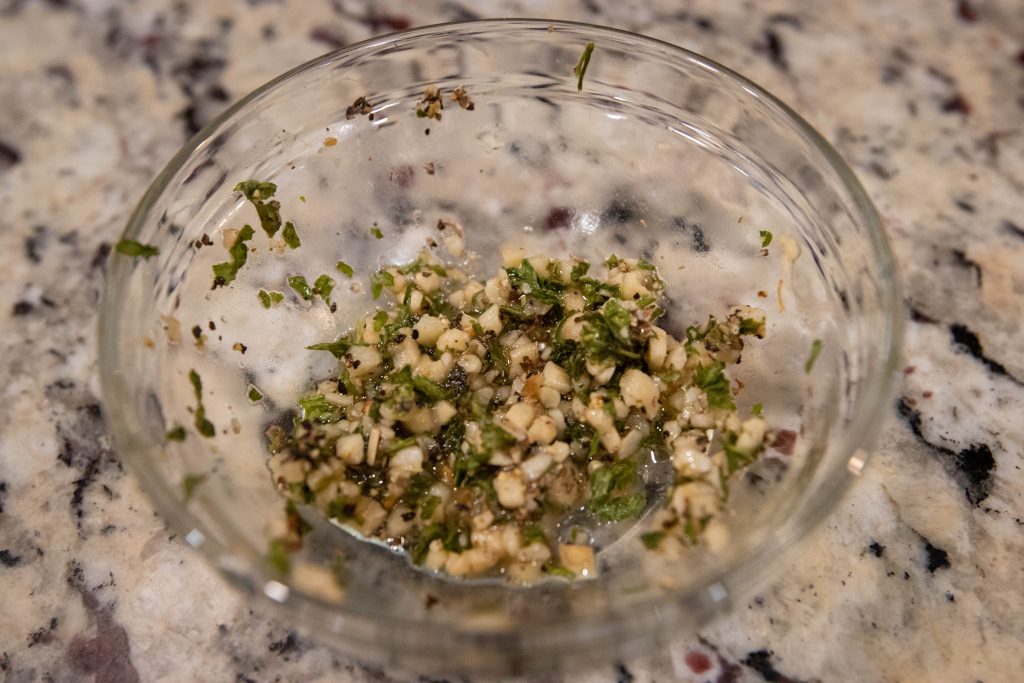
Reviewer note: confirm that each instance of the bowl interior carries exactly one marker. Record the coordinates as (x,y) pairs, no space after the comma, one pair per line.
(662,155)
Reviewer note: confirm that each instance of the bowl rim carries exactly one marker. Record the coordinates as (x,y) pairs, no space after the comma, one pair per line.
(862,427)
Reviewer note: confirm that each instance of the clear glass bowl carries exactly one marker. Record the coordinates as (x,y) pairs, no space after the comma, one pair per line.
(663,153)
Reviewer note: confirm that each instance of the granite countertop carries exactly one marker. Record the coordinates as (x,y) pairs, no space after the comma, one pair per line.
(916,577)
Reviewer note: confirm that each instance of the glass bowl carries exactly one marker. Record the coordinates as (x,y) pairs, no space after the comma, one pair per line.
(662,153)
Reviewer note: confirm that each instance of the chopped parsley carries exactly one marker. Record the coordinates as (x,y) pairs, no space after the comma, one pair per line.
(177,433)
(712,380)
(652,539)
(268,299)
(322,287)
(766,238)
(268,209)
(345,269)
(813,357)
(254,394)
(526,279)
(224,273)
(203,425)
(132,248)
(337,348)
(376,232)
(316,408)
(291,236)
(277,557)
(189,484)
(580,70)
(300,286)
(380,280)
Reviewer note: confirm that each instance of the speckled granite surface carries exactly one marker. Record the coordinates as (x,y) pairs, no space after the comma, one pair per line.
(918,575)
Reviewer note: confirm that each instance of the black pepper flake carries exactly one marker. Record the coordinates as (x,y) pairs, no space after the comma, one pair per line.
(415,334)
(877,549)
(23,307)
(212,325)
(197,331)
(8,559)
(356,364)
(399,338)
(426,132)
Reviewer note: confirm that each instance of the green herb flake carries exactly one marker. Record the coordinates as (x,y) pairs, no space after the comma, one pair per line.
(337,348)
(176,434)
(223,273)
(264,297)
(712,380)
(579,269)
(203,425)
(135,249)
(301,287)
(376,232)
(612,262)
(652,539)
(345,269)
(620,508)
(380,319)
(428,506)
(766,238)
(291,236)
(534,534)
(277,557)
(749,326)
(580,70)
(323,286)
(380,280)
(268,209)
(559,571)
(316,408)
(189,484)
(254,394)
(813,357)
(526,279)
(757,410)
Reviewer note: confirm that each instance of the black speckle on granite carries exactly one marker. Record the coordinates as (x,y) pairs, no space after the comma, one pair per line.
(787,19)
(775,49)
(9,156)
(287,647)
(84,444)
(935,558)
(623,675)
(964,205)
(972,466)
(1014,229)
(919,316)
(99,259)
(35,243)
(877,549)
(967,341)
(23,308)
(8,559)
(761,662)
(331,37)
(966,11)
(956,104)
(3,494)
(964,261)
(43,635)
(106,654)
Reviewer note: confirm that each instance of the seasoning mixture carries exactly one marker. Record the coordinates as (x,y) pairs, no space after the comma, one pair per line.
(469,418)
